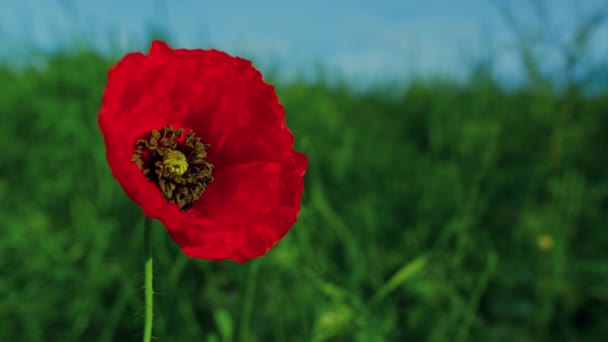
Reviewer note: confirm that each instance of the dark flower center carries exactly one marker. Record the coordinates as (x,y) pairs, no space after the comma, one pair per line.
(178,168)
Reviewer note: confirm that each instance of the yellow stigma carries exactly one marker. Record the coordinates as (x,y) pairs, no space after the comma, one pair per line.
(176,162)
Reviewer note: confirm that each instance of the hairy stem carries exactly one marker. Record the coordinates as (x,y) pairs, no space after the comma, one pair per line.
(148,281)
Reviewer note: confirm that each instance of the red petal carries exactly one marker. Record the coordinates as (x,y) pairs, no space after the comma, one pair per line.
(239,199)
(158,48)
(241,192)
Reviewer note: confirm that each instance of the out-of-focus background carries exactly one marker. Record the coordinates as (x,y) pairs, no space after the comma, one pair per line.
(457,187)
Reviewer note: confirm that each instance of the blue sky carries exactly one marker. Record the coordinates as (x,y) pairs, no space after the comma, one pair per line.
(362,40)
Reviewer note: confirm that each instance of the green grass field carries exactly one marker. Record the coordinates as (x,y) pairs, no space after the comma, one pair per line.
(454,212)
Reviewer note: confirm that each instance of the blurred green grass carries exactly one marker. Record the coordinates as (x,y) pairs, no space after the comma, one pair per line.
(455,212)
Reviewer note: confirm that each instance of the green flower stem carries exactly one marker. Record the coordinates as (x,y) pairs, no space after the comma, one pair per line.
(148,281)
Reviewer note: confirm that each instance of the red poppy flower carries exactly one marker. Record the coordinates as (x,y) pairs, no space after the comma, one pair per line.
(199,141)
